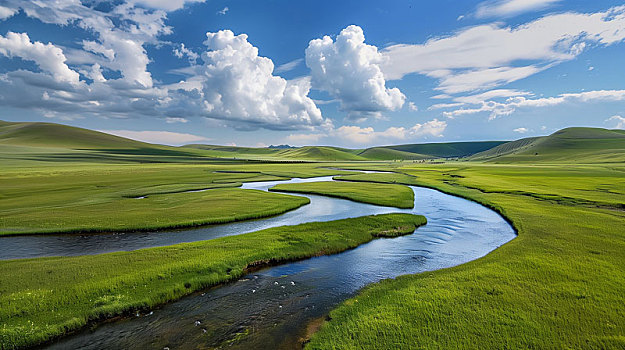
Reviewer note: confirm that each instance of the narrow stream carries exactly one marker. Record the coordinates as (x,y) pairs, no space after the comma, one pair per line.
(270,309)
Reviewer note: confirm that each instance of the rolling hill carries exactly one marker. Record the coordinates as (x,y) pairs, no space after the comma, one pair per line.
(61,136)
(447,149)
(589,145)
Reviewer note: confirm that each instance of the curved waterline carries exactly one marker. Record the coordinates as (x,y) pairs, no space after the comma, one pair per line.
(271,308)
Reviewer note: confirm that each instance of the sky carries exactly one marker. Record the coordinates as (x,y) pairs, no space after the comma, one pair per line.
(343,73)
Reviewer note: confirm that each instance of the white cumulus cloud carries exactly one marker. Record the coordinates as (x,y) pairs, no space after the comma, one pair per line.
(620,121)
(521,130)
(48,57)
(349,70)
(238,86)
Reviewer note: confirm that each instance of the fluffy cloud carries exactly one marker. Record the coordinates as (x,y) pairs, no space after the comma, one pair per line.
(508,106)
(521,130)
(47,56)
(489,54)
(509,8)
(6,12)
(362,136)
(349,70)
(238,86)
(620,121)
(160,137)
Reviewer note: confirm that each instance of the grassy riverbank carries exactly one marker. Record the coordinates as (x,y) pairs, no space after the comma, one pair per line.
(373,193)
(559,284)
(103,197)
(53,296)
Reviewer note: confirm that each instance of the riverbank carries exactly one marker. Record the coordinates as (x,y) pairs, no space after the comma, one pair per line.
(555,285)
(389,195)
(55,296)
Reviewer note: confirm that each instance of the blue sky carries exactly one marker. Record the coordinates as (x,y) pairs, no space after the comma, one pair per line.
(349,73)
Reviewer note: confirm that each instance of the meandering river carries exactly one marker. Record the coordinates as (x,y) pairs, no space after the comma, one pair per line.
(271,308)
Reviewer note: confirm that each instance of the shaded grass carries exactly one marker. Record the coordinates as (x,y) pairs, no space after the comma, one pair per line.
(373,193)
(53,296)
(559,284)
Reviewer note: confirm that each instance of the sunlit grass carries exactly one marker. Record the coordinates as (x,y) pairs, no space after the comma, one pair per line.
(559,284)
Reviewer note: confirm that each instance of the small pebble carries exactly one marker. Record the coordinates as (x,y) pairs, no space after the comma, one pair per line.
(292,283)
(197,323)
(276,283)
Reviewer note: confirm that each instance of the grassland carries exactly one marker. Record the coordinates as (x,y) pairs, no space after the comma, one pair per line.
(53,296)
(91,197)
(373,193)
(559,284)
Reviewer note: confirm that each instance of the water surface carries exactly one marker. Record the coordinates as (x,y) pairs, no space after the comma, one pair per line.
(270,309)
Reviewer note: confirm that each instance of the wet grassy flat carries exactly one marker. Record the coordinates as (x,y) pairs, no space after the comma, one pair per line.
(373,193)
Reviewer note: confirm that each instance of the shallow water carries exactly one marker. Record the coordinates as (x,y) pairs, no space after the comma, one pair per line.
(271,308)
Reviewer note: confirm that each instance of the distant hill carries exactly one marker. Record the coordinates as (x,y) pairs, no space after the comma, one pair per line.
(589,145)
(61,136)
(447,149)
(384,153)
(49,141)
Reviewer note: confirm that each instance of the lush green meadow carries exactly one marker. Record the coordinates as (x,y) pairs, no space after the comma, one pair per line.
(559,284)
(53,296)
(373,193)
(107,197)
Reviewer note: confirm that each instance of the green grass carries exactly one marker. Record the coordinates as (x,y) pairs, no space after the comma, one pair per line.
(559,284)
(53,296)
(373,193)
(101,197)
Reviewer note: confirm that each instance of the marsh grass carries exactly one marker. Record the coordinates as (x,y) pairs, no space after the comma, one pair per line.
(53,296)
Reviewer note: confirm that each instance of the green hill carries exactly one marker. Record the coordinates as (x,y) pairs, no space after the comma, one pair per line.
(21,141)
(577,145)
(61,136)
(383,153)
(447,149)
(319,153)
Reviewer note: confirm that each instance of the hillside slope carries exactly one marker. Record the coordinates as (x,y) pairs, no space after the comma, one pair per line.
(447,149)
(578,145)
(62,136)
